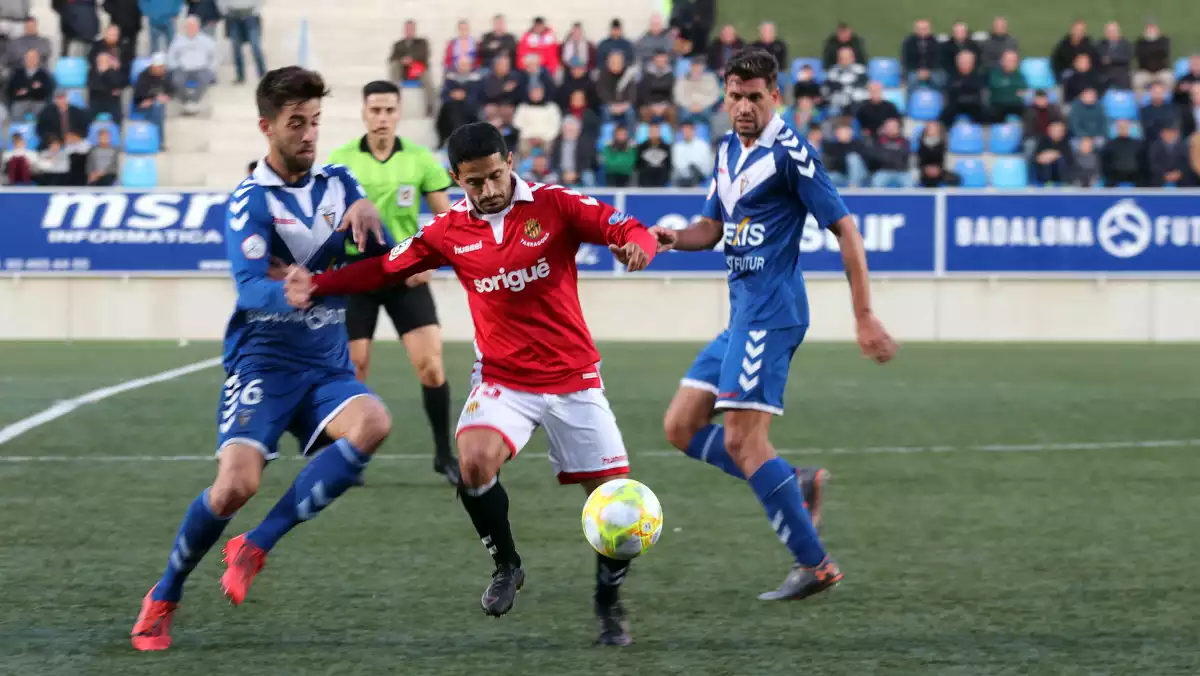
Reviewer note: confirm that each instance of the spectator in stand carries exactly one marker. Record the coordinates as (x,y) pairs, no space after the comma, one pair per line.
(615,87)
(655,90)
(12,14)
(843,37)
(844,158)
(1187,97)
(1082,76)
(540,40)
(769,40)
(1121,159)
(576,49)
(931,156)
(875,110)
(890,152)
(103,161)
(19,162)
(80,25)
(502,89)
(409,62)
(243,25)
(497,42)
(1039,116)
(161,16)
(657,39)
(694,21)
(1153,52)
(1052,159)
(964,92)
(1007,87)
(76,149)
(1158,114)
(654,161)
(29,87)
(691,158)
(999,41)
(460,100)
(1168,160)
(815,137)
(465,78)
(1086,169)
(127,16)
(512,135)
(697,93)
(845,84)
(1116,56)
(1087,118)
(620,159)
(727,44)
(60,118)
(193,63)
(806,86)
(462,45)
(573,155)
(208,14)
(106,84)
(540,171)
(960,41)
(1073,44)
(615,42)
(53,164)
(152,92)
(805,114)
(534,76)
(577,79)
(539,121)
(111,43)
(14,57)
(578,109)
(921,58)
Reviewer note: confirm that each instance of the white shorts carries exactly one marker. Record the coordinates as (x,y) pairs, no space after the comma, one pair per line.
(585,442)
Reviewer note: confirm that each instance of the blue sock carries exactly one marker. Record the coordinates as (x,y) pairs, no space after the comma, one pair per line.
(708,445)
(197,534)
(322,480)
(777,489)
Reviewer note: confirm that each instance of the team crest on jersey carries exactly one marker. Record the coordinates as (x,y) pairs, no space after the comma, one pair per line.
(472,406)
(745,182)
(244,416)
(536,234)
(327,214)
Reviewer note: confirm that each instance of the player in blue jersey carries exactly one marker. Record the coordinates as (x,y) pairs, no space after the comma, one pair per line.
(766,182)
(286,358)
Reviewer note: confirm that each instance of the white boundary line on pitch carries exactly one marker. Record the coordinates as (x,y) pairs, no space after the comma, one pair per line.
(59,409)
(983,448)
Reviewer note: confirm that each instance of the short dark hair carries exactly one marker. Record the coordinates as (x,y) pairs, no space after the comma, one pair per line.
(753,63)
(252,166)
(474,141)
(380,87)
(286,86)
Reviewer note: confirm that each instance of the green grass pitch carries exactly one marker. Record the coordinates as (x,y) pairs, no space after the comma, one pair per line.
(1049,559)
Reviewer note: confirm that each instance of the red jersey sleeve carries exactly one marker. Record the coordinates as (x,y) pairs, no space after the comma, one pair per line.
(409,257)
(595,222)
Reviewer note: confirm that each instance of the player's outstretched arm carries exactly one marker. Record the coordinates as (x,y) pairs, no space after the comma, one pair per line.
(702,235)
(409,257)
(595,222)
(873,339)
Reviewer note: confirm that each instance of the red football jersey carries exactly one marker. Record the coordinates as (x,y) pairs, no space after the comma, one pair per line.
(518,268)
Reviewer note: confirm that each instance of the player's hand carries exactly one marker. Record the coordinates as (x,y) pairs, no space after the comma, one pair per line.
(632,256)
(874,340)
(278,270)
(298,287)
(666,238)
(363,221)
(419,279)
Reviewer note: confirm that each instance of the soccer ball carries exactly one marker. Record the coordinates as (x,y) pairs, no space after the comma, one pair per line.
(622,519)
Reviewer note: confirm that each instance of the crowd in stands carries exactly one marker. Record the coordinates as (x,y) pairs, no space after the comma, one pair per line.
(962,108)
(68,117)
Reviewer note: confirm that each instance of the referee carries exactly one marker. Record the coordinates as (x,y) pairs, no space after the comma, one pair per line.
(396,173)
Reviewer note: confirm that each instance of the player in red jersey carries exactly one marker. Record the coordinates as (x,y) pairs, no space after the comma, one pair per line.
(513,245)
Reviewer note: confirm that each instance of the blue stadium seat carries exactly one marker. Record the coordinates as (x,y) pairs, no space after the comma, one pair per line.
(682,66)
(103,117)
(139,171)
(1051,94)
(1005,139)
(70,72)
(136,69)
(915,139)
(818,68)
(972,172)
(142,138)
(925,105)
(1120,104)
(643,133)
(896,96)
(1182,66)
(704,133)
(114,131)
(28,131)
(77,98)
(606,134)
(885,71)
(1010,172)
(966,139)
(1037,72)
(1135,130)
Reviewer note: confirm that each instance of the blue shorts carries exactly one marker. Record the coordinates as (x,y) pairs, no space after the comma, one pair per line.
(258,405)
(747,368)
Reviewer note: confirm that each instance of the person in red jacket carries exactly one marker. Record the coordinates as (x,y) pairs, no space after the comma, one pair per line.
(540,40)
